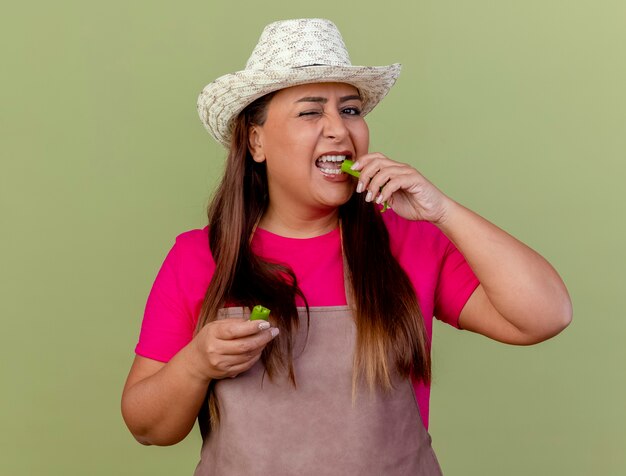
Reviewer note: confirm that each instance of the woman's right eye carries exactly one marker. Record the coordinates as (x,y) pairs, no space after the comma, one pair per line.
(308,113)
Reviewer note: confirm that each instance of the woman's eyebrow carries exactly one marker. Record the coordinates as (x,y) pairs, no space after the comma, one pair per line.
(313,99)
(323,100)
(350,98)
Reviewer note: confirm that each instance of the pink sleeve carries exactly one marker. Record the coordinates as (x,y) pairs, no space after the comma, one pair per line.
(455,285)
(167,323)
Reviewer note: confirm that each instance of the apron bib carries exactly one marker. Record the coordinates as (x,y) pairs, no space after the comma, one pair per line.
(270,428)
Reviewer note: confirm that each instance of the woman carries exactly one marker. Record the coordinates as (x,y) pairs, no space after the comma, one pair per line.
(338,381)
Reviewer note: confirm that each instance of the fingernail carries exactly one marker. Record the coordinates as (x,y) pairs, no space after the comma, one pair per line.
(264,325)
(355,165)
(360,187)
(274,331)
(368,197)
(379,199)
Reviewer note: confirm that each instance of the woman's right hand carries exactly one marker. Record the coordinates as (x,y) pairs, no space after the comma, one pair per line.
(227,347)
(161,400)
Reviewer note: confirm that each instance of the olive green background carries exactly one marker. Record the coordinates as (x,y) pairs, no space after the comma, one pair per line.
(515,109)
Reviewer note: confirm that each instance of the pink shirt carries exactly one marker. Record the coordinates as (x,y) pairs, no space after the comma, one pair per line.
(440,275)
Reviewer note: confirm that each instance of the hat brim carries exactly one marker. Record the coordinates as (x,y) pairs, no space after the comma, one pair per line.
(221,101)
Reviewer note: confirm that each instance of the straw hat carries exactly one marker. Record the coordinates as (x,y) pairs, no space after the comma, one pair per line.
(289,53)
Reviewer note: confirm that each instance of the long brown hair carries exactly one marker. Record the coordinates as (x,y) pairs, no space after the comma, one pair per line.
(390,329)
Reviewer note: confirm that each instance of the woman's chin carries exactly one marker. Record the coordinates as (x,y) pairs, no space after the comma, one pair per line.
(337,199)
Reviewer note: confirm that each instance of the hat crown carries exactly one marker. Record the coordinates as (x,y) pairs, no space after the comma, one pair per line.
(298,43)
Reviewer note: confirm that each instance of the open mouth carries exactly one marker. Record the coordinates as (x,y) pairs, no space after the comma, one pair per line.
(331,164)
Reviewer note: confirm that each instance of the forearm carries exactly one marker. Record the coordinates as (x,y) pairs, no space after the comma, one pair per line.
(520,284)
(161,409)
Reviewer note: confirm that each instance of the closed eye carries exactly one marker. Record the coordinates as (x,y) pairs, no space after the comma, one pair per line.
(308,113)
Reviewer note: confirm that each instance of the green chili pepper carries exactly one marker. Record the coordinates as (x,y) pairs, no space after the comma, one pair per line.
(345,167)
(259,312)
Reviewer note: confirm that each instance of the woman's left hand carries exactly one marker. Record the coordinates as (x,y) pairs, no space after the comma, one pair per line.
(406,191)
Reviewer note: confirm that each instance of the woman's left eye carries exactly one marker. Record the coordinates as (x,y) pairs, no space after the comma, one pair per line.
(352,111)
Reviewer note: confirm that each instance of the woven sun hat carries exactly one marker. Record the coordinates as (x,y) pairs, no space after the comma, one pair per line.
(289,53)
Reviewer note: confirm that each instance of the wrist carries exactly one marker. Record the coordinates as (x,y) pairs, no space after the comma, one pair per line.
(448,210)
(191,364)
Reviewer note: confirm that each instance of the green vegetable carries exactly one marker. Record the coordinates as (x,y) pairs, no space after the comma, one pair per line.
(259,312)
(345,167)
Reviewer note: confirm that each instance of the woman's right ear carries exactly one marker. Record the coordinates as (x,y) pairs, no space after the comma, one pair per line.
(255,143)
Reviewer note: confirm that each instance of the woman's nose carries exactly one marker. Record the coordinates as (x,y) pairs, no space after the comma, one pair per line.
(334,127)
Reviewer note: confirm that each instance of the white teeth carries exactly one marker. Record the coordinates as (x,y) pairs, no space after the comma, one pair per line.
(331,171)
(334,164)
(332,158)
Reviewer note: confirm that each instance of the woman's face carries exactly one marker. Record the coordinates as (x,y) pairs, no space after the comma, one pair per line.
(308,132)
